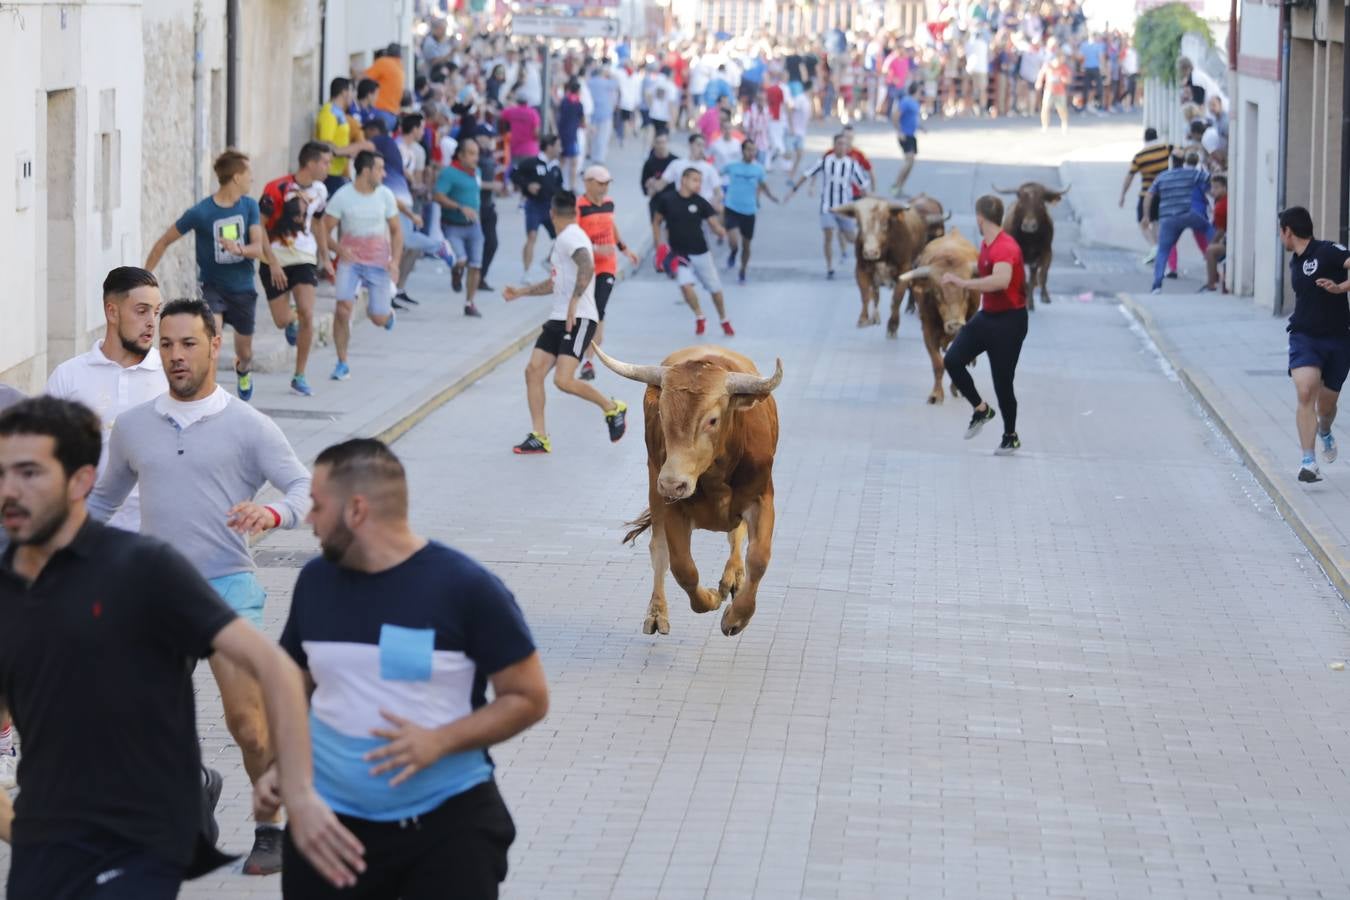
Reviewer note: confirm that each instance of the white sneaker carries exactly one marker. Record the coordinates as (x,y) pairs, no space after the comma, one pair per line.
(1150,256)
(1308,473)
(9,764)
(1328,447)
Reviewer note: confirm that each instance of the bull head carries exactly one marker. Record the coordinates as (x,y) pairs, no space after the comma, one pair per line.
(698,401)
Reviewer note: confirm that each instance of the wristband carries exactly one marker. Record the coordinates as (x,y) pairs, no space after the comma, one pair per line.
(623,248)
(276,516)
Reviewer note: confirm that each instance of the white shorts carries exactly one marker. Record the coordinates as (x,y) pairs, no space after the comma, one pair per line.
(829,220)
(701,270)
(777,131)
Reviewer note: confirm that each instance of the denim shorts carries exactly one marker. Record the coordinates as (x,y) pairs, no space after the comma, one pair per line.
(467,242)
(244,594)
(350,277)
(537,215)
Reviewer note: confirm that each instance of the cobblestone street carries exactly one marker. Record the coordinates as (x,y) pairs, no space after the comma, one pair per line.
(1098,668)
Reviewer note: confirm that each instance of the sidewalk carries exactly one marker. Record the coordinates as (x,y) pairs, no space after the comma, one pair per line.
(1233,358)
(433,352)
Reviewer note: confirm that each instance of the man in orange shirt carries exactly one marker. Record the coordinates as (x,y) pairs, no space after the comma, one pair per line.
(387,71)
(595,215)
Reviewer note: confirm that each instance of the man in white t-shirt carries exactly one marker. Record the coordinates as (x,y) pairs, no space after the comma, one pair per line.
(368,251)
(710,186)
(977,69)
(569,330)
(122,370)
(799,118)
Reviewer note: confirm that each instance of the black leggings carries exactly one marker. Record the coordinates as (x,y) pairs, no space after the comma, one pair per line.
(1000,335)
(487,215)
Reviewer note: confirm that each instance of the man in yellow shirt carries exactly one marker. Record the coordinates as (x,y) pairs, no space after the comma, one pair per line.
(387,71)
(336,128)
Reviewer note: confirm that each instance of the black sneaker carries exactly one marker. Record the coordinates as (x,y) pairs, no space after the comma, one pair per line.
(533,443)
(1172,274)
(457,278)
(397,302)
(472,312)
(211,787)
(616,420)
(587,371)
(403,297)
(731,260)
(487,288)
(1011,444)
(977,421)
(265,857)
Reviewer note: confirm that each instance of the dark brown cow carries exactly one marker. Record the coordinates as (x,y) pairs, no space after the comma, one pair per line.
(712,430)
(890,237)
(932,213)
(943,308)
(1028,221)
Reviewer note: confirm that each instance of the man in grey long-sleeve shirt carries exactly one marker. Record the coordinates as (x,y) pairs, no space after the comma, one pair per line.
(200,455)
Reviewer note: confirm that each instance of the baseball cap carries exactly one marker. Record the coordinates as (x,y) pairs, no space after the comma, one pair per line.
(485,129)
(597,173)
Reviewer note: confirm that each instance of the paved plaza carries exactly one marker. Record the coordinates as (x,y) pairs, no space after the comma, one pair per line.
(1099,668)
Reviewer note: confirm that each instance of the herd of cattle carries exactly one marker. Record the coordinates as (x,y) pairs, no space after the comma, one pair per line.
(712,422)
(906,247)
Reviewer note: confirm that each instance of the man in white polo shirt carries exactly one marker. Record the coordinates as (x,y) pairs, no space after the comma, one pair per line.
(120,371)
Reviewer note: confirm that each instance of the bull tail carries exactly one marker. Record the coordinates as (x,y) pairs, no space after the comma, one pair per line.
(638,525)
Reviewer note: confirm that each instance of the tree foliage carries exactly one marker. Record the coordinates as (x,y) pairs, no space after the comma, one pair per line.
(1158,34)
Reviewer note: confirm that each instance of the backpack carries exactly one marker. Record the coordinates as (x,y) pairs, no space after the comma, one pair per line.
(273,201)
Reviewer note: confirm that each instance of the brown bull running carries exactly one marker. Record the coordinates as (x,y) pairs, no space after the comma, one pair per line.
(891,235)
(1028,221)
(712,431)
(943,308)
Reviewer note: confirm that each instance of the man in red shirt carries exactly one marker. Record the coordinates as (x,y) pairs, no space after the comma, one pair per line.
(998,329)
(595,215)
(1218,241)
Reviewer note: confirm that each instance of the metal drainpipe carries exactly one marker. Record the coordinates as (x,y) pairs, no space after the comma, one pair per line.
(199,102)
(323,51)
(232,71)
(1345,130)
(1281,167)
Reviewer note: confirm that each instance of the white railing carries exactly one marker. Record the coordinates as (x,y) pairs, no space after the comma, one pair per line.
(1162,110)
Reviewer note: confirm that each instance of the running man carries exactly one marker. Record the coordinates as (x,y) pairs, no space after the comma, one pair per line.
(570,329)
(595,215)
(229,236)
(1319,334)
(1150,162)
(538,178)
(746,180)
(998,329)
(684,212)
(839,175)
(458,191)
(296,254)
(122,370)
(1176,191)
(908,127)
(99,632)
(368,251)
(200,457)
(399,637)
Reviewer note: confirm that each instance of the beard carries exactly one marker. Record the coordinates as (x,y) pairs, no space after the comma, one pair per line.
(133,347)
(187,389)
(337,544)
(44,528)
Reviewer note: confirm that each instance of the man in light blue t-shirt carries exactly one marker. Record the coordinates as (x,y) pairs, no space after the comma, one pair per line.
(908,136)
(746,180)
(1091,54)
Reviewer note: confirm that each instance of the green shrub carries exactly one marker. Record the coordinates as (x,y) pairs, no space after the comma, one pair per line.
(1158,34)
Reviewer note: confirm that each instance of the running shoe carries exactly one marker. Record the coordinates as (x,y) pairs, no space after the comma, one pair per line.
(741,279)
(1172,274)
(617,420)
(457,278)
(484,286)
(404,298)
(1150,256)
(472,311)
(245,385)
(829,275)
(265,857)
(300,386)
(731,260)
(587,371)
(396,303)
(1308,473)
(727,329)
(1328,447)
(1156,290)
(341,372)
(445,254)
(292,332)
(9,766)
(1205,289)
(1011,444)
(978,420)
(389,322)
(533,444)
(212,782)
(700,325)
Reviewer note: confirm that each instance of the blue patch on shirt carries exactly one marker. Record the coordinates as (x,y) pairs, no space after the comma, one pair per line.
(405,653)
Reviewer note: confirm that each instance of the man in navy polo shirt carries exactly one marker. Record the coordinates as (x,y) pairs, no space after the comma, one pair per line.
(1319,334)
(399,637)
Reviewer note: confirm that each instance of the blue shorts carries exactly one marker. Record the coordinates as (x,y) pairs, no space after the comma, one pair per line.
(537,215)
(467,242)
(1330,354)
(379,290)
(244,595)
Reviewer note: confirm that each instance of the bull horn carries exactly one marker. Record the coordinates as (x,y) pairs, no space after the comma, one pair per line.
(646,374)
(1064,190)
(948,216)
(917,272)
(846,209)
(743,383)
(936,218)
(999,190)
(897,204)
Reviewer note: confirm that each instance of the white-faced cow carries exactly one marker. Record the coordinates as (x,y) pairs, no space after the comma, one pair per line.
(890,237)
(943,308)
(1028,221)
(712,430)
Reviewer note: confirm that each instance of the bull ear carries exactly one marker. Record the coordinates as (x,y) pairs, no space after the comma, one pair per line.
(848,210)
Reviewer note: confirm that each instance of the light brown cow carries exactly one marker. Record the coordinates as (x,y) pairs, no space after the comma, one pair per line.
(890,236)
(943,308)
(712,431)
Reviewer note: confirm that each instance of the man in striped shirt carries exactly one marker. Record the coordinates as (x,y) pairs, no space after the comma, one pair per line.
(1149,163)
(839,174)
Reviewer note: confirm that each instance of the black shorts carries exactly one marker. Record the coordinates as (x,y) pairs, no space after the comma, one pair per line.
(555,339)
(1331,355)
(238,310)
(72,869)
(1152,208)
(604,286)
(659,127)
(740,222)
(300,273)
(909,143)
(624,116)
(462,842)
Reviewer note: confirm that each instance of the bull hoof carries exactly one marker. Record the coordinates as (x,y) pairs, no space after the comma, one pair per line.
(654,623)
(731,624)
(862,321)
(1045,298)
(876,318)
(730,588)
(892,333)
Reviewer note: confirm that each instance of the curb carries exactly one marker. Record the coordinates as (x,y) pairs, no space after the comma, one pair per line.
(1267,474)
